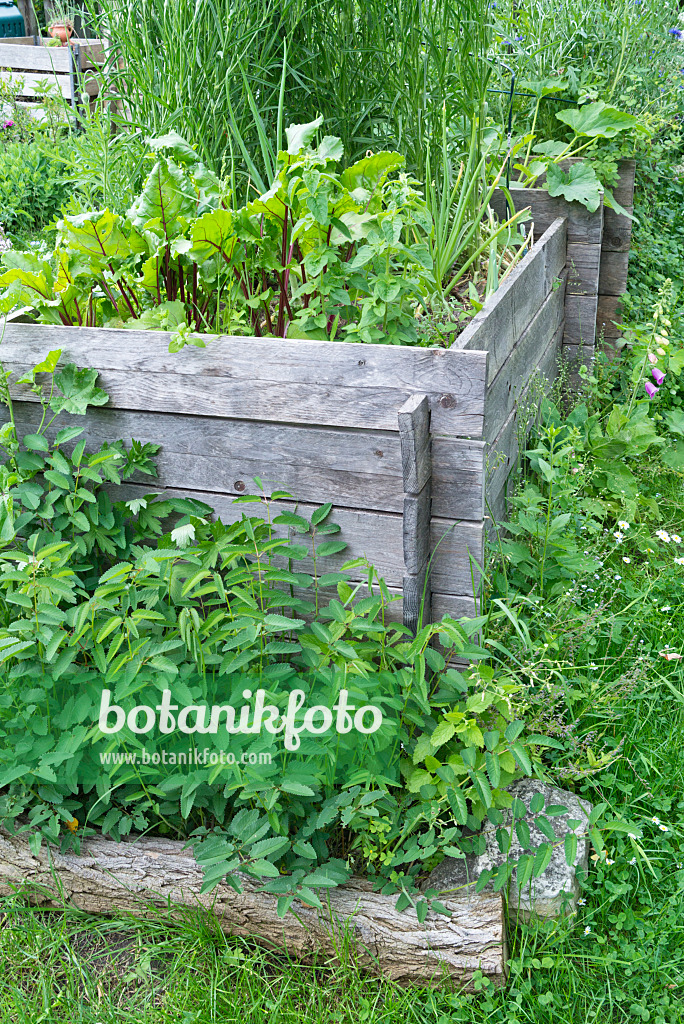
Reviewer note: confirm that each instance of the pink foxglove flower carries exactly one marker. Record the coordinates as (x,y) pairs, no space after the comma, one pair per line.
(658,375)
(651,391)
(652,358)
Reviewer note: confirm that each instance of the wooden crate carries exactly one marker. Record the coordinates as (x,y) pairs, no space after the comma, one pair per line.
(29,65)
(408,443)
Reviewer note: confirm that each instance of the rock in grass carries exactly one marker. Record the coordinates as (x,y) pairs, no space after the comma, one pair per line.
(557,888)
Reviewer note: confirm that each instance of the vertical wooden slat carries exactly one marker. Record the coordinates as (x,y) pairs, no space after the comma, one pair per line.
(416,460)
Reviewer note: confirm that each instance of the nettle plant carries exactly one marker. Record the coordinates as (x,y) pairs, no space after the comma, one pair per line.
(101,594)
(323,254)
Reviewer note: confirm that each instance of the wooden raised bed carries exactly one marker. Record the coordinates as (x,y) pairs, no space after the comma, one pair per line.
(597,260)
(321,420)
(67,68)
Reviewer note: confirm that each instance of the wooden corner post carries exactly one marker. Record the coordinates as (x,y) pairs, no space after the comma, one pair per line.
(416,463)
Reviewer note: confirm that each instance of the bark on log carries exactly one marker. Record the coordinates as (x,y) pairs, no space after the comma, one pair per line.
(129,876)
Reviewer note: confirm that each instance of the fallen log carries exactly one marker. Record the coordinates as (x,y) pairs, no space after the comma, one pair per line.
(129,876)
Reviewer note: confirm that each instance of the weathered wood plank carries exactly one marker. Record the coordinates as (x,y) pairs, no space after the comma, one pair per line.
(27,84)
(617,230)
(414,433)
(377,536)
(608,313)
(357,469)
(507,313)
(502,454)
(514,374)
(134,875)
(326,383)
(416,531)
(614,271)
(416,461)
(583,226)
(585,263)
(51,59)
(580,319)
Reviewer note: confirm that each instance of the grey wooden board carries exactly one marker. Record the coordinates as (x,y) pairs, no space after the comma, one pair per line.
(454,605)
(578,355)
(416,460)
(36,58)
(326,383)
(377,536)
(583,226)
(580,319)
(608,311)
(358,469)
(91,50)
(617,230)
(614,271)
(416,530)
(514,374)
(502,454)
(584,264)
(504,317)
(416,601)
(24,83)
(414,433)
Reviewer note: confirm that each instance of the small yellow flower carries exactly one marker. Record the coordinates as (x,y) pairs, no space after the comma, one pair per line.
(72,825)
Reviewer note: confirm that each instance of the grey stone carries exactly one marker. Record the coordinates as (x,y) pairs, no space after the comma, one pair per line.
(557,887)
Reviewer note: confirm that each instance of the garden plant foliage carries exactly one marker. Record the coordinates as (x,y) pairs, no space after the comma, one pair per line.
(95,595)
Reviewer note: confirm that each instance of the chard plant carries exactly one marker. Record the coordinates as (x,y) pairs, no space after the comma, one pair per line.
(323,253)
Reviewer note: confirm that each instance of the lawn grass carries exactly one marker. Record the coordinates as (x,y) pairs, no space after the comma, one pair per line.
(597,677)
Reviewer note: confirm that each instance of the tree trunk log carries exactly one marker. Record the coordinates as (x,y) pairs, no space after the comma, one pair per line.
(358,924)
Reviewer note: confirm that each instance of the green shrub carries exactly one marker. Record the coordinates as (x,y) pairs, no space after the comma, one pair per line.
(100,601)
(33,186)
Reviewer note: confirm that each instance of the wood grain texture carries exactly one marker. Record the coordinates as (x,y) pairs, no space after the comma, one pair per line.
(583,226)
(31,85)
(416,461)
(131,876)
(614,271)
(580,319)
(372,535)
(617,231)
(607,314)
(357,469)
(502,453)
(414,435)
(323,383)
(50,59)
(515,372)
(584,268)
(508,312)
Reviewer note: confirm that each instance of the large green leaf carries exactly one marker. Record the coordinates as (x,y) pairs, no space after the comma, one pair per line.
(579,184)
(599,121)
(78,391)
(299,136)
(166,201)
(544,86)
(213,235)
(176,147)
(675,421)
(98,236)
(27,281)
(367,173)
